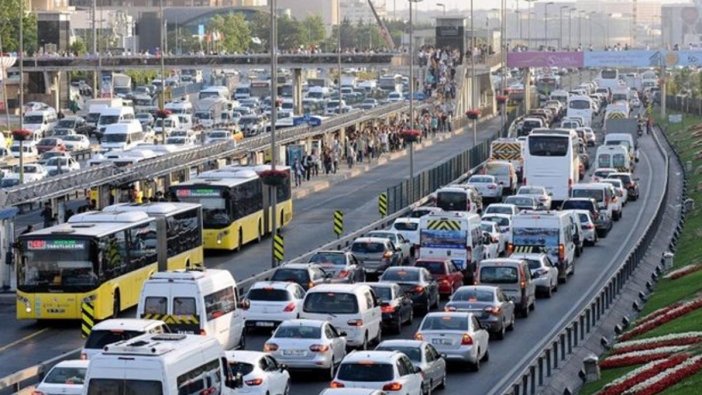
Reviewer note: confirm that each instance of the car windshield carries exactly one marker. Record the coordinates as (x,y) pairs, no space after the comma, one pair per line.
(500,221)
(73,137)
(417,213)
(366,372)
(367,247)
(337,259)
(292,275)
(486,227)
(382,293)
(66,123)
(434,267)
(530,191)
(405,226)
(414,353)
(473,294)
(57,161)
(577,205)
(268,295)
(298,332)
(242,368)
(66,375)
(400,275)
(491,209)
(445,323)
(108,119)
(496,169)
(47,142)
(384,235)
(498,275)
(331,303)
(100,338)
(115,138)
(596,194)
(219,135)
(519,201)
(9,182)
(33,119)
(479,180)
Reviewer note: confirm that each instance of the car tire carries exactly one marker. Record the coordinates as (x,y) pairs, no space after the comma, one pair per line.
(549,292)
(510,327)
(500,335)
(428,389)
(410,320)
(242,341)
(475,367)
(398,326)
(364,345)
(442,384)
(331,372)
(555,286)
(524,312)
(379,337)
(486,357)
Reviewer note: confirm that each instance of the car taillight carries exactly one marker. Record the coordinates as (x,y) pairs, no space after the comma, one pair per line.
(392,387)
(561,252)
(344,273)
(270,347)
(310,285)
(387,254)
(254,382)
(495,239)
(336,384)
(466,340)
(510,248)
(418,336)
(290,307)
(355,322)
(588,226)
(387,309)
(319,348)
(543,198)
(418,289)
(203,332)
(83,356)
(35,392)
(493,310)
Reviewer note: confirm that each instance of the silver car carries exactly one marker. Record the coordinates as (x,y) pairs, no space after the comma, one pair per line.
(588,226)
(341,266)
(456,335)
(375,254)
(308,344)
(491,307)
(398,240)
(543,197)
(423,356)
(544,274)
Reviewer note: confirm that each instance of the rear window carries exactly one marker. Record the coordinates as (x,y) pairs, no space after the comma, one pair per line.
(597,194)
(367,248)
(480,295)
(619,160)
(405,225)
(602,173)
(445,322)
(330,303)
(584,218)
(419,213)
(100,338)
(414,353)
(291,275)
(495,169)
(298,332)
(400,275)
(451,201)
(382,293)
(66,375)
(533,263)
(433,267)
(603,160)
(326,258)
(498,220)
(241,368)
(123,387)
(529,191)
(577,205)
(371,371)
(155,305)
(517,201)
(498,275)
(268,295)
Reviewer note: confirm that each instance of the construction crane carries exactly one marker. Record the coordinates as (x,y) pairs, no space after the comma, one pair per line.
(383,29)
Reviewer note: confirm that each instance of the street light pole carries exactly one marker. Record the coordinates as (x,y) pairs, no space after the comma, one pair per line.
(443,6)
(338,50)
(21,89)
(546,23)
(411,98)
(570,28)
(529,23)
(473,99)
(560,26)
(273,46)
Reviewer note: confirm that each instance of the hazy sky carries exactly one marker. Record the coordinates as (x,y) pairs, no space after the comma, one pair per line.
(426,5)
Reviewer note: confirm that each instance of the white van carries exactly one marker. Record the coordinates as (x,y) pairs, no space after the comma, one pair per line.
(603,194)
(179,107)
(614,156)
(626,140)
(194,301)
(112,115)
(550,232)
(164,364)
(166,125)
(351,308)
(41,121)
(116,330)
(456,236)
(122,136)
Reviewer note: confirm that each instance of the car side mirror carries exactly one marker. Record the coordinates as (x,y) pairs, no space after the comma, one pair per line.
(342,334)
(417,369)
(283,367)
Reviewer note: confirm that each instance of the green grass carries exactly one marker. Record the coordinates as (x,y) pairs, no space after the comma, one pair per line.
(670,291)
(687,323)
(606,376)
(690,386)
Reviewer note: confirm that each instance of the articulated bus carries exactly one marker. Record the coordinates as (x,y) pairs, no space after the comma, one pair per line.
(236,204)
(551,160)
(181,223)
(100,257)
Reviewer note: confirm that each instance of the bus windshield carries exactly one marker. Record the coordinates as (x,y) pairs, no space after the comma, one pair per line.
(216,213)
(57,265)
(579,105)
(548,145)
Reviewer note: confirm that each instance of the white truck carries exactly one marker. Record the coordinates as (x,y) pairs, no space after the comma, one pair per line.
(121,84)
(453,235)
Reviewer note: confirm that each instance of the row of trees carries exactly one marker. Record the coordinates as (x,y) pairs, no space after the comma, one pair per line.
(9,27)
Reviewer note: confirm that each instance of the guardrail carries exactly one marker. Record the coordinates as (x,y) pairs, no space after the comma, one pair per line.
(561,341)
(25,378)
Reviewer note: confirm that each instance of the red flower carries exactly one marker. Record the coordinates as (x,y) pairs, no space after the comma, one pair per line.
(685,272)
(633,360)
(660,320)
(645,375)
(273,173)
(21,134)
(656,313)
(501,99)
(473,114)
(163,113)
(665,343)
(671,379)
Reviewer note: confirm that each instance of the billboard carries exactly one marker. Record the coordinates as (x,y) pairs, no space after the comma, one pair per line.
(600,59)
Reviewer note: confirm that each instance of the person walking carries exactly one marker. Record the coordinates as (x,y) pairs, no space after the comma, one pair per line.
(297,170)
(47,215)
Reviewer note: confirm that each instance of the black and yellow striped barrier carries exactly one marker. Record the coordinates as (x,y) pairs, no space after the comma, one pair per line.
(528,249)
(506,151)
(383,204)
(616,115)
(338,222)
(443,224)
(278,248)
(173,319)
(87,315)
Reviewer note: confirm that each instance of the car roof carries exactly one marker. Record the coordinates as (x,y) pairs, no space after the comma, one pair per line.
(244,356)
(303,322)
(379,356)
(484,287)
(337,288)
(73,363)
(500,261)
(371,239)
(300,266)
(272,284)
(402,343)
(407,219)
(127,324)
(449,313)
(530,255)
(502,204)
(404,268)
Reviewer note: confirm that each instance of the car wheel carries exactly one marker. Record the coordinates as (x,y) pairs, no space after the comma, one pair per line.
(500,335)
(475,367)
(331,373)
(555,286)
(486,357)
(398,325)
(525,311)
(428,389)
(513,322)
(436,299)
(287,388)
(549,292)
(379,338)
(411,317)
(442,384)
(364,346)
(242,341)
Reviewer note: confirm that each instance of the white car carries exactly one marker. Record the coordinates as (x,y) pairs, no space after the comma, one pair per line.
(601,173)
(32,172)
(487,186)
(503,222)
(272,302)
(351,391)
(495,247)
(308,344)
(408,228)
(67,377)
(501,208)
(589,134)
(29,150)
(390,371)
(76,142)
(540,193)
(66,165)
(187,141)
(261,374)
(117,330)
(619,187)
(400,242)
(424,356)
(588,226)
(543,273)
(218,136)
(457,335)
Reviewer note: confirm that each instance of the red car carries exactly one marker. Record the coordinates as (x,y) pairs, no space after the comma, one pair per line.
(49,144)
(444,272)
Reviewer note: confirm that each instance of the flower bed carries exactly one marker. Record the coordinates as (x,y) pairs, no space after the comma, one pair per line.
(273,177)
(663,318)
(674,339)
(667,378)
(683,271)
(656,313)
(642,374)
(639,357)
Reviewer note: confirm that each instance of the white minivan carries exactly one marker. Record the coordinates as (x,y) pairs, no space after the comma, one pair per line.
(351,308)
(614,156)
(122,136)
(604,194)
(116,330)
(112,115)
(40,122)
(194,301)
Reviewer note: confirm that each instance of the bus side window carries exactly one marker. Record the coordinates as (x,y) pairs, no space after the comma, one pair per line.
(114,255)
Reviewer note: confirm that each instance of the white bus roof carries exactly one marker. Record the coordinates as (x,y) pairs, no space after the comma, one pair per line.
(157,209)
(78,226)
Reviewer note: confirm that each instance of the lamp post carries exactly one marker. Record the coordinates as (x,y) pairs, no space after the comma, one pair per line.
(443,6)
(570,27)
(273,47)
(21,88)
(529,22)
(338,51)
(560,26)
(546,23)
(411,98)
(162,96)
(580,24)
(473,99)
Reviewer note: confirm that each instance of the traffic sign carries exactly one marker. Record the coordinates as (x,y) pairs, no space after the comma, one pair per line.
(338,222)
(278,247)
(87,313)
(383,204)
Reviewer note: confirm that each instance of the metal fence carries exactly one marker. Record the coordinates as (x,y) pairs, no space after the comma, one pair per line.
(427,181)
(557,346)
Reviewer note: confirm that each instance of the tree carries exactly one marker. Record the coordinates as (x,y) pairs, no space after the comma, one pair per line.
(9,27)
(186,42)
(315,31)
(78,47)
(290,33)
(234,32)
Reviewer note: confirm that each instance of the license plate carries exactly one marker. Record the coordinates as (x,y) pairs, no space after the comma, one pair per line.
(442,342)
(293,352)
(265,324)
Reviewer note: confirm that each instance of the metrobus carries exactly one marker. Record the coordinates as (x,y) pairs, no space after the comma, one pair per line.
(236,204)
(580,106)
(99,257)
(551,160)
(608,78)
(181,223)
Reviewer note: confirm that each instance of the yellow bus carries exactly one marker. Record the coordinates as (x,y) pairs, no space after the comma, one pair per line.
(104,257)
(236,205)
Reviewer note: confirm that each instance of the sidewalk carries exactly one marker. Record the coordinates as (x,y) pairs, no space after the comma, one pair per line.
(325,181)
